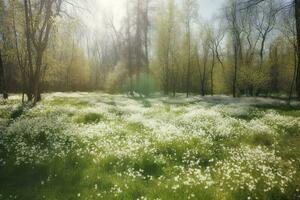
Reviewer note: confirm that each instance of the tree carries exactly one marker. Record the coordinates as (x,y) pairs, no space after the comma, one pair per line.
(296,4)
(3,83)
(217,35)
(190,10)
(138,42)
(39,20)
(288,29)
(165,45)
(146,26)
(257,24)
(203,54)
(297,19)
(3,78)
(232,16)
(265,23)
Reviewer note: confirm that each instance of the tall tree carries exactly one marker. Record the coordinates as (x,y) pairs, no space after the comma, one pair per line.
(288,29)
(297,17)
(129,49)
(265,23)
(203,59)
(190,10)
(146,26)
(138,43)
(165,44)
(296,4)
(39,19)
(3,82)
(3,78)
(217,36)
(232,16)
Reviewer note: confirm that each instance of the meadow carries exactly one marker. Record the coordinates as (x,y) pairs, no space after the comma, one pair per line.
(100,146)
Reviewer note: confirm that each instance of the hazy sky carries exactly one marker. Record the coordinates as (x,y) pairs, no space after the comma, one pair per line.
(116,8)
(208,8)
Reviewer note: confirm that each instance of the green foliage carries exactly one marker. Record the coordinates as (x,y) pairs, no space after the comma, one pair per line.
(17,112)
(255,78)
(144,84)
(187,152)
(104,63)
(262,139)
(116,79)
(148,166)
(89,118)
(68,102)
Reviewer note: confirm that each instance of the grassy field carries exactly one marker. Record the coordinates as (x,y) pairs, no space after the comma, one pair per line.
(100,146)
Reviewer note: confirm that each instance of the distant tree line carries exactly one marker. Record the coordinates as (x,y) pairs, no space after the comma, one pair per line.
(250,48)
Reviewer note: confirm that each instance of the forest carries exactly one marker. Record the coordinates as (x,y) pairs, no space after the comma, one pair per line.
(249,48)
(150,99)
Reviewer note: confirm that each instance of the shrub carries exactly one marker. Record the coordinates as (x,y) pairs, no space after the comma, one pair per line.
(18,112)
(89,118)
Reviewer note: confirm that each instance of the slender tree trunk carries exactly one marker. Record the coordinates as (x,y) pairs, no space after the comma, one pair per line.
(167,63)
(20,63)
(294,75)
(234,82)
(203,80)
(129,54)
(202,76)
(146,43)
(174,86)
(3,83)
(212,75)
(167,78)
(30,92)
(173,74)
(3,78)
(189,61)
(68,79)
(261,53)
(297,16)
(167,70)
(37,78)
(237,47)
(138,47)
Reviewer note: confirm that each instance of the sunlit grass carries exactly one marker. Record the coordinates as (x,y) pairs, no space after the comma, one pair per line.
(99,146)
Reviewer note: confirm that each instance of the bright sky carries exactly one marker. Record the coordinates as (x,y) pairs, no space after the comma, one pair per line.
(210,8)
(99,8)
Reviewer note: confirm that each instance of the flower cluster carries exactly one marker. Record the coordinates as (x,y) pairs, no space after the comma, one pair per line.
(121,145)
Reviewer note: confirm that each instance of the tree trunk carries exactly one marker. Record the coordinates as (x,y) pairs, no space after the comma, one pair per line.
(3,78)
(20,63)
(30,92)
(68,79)
(37,77)
(146,38)
(166,78)
(203,80)
(174,89)
(235,71)
(294,75)
(129,46)
(261,53)
(297,16)
(189,62)
(212,75)
(138,47)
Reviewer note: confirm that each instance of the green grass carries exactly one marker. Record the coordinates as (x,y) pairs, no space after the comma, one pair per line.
(287,110)
(89,118)
(69,147)
(68,101)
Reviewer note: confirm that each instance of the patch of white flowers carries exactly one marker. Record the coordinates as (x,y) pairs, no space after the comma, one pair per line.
(247,167)
(48,131)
